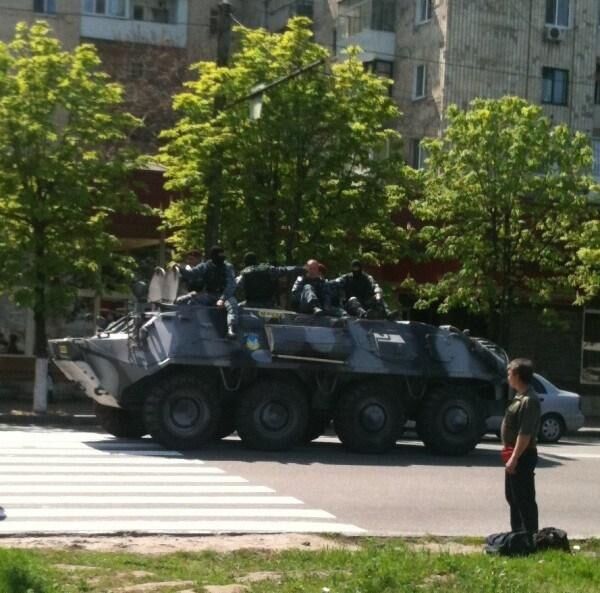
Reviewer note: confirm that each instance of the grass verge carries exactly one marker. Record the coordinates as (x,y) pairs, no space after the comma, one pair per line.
(377,566)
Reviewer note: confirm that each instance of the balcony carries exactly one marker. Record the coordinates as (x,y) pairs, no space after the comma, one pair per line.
(370,24)
(156,22)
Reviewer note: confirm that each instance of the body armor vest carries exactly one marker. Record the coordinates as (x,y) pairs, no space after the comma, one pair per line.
(259,285)
(215,278)
(358,287)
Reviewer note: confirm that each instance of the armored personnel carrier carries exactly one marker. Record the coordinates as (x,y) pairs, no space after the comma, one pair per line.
(169,370)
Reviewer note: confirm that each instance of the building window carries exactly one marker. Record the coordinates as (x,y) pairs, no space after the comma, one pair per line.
(138,12)
(557,13)
(417,154)
(113,8)
(420,82)
(44,6)
(597,85)
(384,15)
(424,11)
(555,89)
(596,157)
(304,8)
(383,68)
(361,15)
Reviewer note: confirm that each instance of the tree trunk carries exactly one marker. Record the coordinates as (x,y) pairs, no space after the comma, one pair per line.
(40,347)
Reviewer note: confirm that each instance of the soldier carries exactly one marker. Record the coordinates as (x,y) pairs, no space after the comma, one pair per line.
(191,259)
(215,280)
(310,293)
(364,297)
(260,282)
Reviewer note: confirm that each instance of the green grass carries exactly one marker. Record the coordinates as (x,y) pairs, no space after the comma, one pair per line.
(379,566)
(23,572)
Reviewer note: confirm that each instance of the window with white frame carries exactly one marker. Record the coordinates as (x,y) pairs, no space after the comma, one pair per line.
(424,11)
(555,86)
(557,13)
(420,81)
(113,8)
(44,6)
(417,154)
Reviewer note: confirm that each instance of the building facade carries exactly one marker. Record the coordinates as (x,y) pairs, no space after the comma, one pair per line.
(443,52)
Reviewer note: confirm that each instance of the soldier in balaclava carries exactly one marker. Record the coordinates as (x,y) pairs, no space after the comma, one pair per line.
(259,282)
(363,296)
(215,280)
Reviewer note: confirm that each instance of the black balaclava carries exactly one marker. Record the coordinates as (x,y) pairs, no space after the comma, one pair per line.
(356,268)
(250,259)
(217,255)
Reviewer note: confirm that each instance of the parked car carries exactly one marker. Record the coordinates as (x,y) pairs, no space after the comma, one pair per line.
(561,411)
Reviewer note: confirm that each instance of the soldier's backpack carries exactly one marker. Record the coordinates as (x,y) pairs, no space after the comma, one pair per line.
(511,543)
(552,538)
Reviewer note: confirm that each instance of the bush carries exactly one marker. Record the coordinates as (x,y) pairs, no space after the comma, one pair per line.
(22,573)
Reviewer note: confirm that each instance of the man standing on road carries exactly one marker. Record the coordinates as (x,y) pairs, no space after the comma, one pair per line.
(519,436)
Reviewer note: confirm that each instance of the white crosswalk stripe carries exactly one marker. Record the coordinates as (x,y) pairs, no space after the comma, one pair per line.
(59,482)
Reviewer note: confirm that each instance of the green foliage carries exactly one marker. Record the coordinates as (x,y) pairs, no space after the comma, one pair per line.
(373,566)
(22,573)
(587,271)
(63,164)
(303,180)
(505,199)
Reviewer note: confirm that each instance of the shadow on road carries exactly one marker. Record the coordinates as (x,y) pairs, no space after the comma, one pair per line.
(325,451)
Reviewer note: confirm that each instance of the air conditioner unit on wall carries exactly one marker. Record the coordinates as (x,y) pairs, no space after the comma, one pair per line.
(555,34)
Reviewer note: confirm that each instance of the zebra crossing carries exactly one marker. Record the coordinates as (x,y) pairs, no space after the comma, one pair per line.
(53,481)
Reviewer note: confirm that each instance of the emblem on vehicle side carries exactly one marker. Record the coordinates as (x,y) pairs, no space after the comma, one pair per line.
(252,342)
(389,338)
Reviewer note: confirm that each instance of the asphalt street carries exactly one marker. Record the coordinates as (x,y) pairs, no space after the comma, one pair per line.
(58,480)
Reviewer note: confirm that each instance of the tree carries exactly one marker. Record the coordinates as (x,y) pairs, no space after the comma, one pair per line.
(586,277)
(63,164)
(309,177)
(505,197)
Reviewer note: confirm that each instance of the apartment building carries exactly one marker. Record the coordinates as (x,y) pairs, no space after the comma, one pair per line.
(441,52)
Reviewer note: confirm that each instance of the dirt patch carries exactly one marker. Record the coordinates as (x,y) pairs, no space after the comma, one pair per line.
(448,547)
(166,544)
(151,587)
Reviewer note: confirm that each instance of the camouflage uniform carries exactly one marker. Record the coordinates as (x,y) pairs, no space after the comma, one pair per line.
(215,281)
(361,291)
(259,283)
(311,295)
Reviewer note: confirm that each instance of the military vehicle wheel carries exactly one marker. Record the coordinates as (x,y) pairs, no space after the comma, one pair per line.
(120,423)
(450,424)
(182,411)
(368,418)
(272,415)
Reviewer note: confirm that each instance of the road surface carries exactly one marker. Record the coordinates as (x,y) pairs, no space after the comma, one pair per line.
(65,481)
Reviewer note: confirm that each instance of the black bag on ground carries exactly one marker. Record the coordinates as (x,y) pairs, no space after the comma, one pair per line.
(510,543)
(552,538)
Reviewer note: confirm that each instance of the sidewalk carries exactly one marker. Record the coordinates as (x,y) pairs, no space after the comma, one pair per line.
(71,412)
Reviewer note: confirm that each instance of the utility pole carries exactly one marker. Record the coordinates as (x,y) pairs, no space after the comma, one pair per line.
(213,206)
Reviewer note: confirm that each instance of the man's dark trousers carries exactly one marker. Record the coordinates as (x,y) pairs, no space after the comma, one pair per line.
(520,494)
